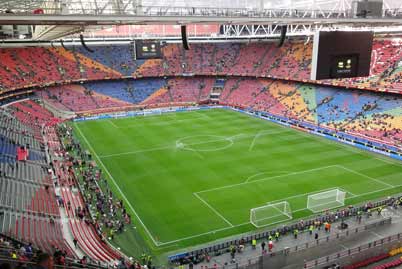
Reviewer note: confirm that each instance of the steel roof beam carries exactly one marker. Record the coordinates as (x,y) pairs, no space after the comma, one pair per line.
(24,19)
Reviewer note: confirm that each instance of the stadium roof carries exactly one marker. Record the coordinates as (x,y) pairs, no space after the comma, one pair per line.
(65,17)
(108,6)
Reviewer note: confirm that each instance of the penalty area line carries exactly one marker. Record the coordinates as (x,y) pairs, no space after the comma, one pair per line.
(213,209)
(267,178)
(249,223)
(114,125)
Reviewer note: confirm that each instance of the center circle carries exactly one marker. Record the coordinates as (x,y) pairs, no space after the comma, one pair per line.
(204,143)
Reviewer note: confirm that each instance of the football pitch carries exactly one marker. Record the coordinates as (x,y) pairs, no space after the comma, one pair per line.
(192,177)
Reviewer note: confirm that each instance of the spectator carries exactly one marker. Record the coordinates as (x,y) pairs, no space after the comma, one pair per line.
(263,246)
(270,245)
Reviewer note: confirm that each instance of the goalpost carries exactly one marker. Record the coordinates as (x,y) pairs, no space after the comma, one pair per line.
(326,200)
(270,214)
(152,112)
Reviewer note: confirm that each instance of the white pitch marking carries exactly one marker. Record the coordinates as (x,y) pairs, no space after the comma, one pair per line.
(202,114)
(161,148)
(195,151)
(253,142)
(366,176)
(135,152)
(261,133)
(351,148)
(231,138)
(301,195)
(112,123)
(247,223)
(213,209)
(342,189)
(235,136)
(267,178)
(263,173)
(342,146)
(184,146)
(202,234)
(170,120)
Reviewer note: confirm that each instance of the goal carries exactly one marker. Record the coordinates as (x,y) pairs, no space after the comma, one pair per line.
(152,112)
(270,214)
(326,200)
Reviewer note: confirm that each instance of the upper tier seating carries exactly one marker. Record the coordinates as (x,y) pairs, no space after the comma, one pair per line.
(112,56)
(24,67)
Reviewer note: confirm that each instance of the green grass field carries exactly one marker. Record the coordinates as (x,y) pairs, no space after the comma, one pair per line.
(192,177)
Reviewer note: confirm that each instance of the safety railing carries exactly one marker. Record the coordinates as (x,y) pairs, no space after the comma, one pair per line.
(353,251)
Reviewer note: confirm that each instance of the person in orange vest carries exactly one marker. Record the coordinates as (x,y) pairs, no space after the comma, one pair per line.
(327,226)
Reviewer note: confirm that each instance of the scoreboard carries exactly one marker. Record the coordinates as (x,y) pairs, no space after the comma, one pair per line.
(148,49)
(341,54)
(344,66)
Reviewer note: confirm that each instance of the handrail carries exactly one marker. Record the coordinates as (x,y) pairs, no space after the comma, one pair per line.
(352,251)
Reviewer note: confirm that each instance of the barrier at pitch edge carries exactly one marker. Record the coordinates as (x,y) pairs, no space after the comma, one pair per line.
(144,112)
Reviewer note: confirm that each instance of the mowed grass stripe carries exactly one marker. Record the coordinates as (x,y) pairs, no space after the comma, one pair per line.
(160,183)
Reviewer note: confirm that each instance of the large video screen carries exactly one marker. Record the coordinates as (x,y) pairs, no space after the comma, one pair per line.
(147,49)
(341,54)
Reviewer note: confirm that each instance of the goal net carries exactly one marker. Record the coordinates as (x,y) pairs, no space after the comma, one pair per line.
(326,200)
(152,112)
(270,214)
